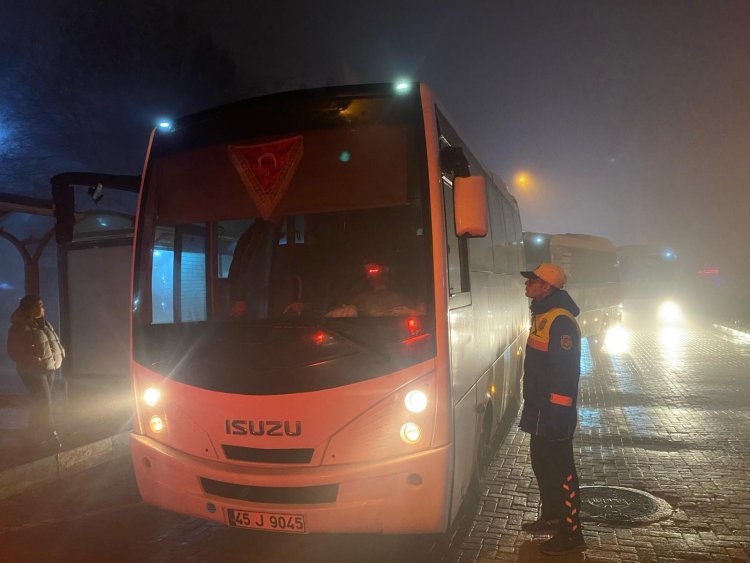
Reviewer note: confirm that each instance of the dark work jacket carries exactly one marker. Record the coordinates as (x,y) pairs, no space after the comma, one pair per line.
(552,368)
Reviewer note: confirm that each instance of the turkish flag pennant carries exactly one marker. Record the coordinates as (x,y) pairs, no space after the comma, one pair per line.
(266,170)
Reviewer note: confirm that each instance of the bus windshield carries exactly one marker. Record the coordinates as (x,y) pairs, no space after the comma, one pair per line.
(289,254)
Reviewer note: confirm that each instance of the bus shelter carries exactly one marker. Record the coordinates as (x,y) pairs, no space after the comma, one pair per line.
(86,277)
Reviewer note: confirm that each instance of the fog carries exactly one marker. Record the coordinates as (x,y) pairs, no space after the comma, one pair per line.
(629,118)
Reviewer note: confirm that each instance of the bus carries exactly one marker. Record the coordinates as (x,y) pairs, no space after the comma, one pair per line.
(648,271)
(590,262)
(269,393)
(654,284)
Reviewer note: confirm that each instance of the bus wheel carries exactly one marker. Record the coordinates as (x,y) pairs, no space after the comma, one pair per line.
(483,455)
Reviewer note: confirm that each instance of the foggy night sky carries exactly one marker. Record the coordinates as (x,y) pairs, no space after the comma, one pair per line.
(631,117)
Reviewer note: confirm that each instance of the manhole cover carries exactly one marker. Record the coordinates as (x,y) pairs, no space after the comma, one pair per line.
(621,504)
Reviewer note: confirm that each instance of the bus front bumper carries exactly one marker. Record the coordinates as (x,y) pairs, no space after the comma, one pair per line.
(408,494)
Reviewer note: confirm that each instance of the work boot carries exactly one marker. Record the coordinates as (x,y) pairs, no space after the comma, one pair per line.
(562,543)
(542,524)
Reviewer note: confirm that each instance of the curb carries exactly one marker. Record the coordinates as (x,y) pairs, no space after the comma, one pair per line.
(742,335)
(51,468)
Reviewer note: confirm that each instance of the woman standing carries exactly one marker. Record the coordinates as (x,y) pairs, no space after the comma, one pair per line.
(37,351)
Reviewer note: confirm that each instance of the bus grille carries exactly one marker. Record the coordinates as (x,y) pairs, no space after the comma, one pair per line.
(274,495)
(240,453)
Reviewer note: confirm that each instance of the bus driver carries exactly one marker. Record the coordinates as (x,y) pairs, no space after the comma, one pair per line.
(378,299)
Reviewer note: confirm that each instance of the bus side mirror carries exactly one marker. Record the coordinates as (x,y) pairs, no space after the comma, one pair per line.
(470,205)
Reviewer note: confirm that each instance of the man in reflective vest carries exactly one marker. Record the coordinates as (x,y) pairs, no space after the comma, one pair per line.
(552,369)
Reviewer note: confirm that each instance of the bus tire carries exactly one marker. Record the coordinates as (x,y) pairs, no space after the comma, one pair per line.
(483,454)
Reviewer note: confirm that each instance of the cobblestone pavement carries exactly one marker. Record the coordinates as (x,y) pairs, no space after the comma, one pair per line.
(670,416)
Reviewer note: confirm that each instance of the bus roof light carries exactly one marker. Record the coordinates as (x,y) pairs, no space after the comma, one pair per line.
(165,125)
(402,86)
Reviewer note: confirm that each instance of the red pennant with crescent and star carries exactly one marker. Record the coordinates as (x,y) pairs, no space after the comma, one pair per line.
(266,170)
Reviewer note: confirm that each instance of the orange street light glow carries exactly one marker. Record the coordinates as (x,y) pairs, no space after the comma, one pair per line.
(522,179)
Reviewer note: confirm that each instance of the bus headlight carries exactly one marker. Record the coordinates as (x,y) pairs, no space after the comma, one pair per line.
(156,424)
(411,432)
(415,401)
(151,396)
(669,312)
(616,340)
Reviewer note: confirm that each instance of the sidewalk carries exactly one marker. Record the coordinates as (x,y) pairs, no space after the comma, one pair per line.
(741,333)
(93,418)
(666,416)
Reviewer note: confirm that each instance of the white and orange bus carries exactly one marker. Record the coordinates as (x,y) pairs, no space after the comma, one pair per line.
(269,392)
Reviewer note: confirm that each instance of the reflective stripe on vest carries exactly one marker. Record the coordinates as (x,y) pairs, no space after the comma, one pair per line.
(540,324)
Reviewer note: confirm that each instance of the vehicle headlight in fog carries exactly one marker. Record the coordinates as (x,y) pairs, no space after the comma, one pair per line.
(156,424)
(411,432)
(616,340)
(669,312)
(151,396)
(415,401)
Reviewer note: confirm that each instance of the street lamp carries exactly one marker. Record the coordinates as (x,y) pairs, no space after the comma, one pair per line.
(522,179)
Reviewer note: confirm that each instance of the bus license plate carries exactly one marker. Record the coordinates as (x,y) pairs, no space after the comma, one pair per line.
(271,521)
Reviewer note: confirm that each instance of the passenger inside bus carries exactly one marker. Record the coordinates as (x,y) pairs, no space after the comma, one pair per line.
(300,273)
(277,269)
(248,272)
(377,298)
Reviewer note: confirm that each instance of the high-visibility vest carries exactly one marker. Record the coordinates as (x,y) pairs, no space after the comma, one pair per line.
(540,325)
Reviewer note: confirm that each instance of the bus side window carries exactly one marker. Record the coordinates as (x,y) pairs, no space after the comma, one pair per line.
(499,237)
(513,237)
(458,271)
(518,243)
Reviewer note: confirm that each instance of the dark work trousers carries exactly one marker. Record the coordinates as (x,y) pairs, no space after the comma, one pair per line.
(555,471)
(41,418)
